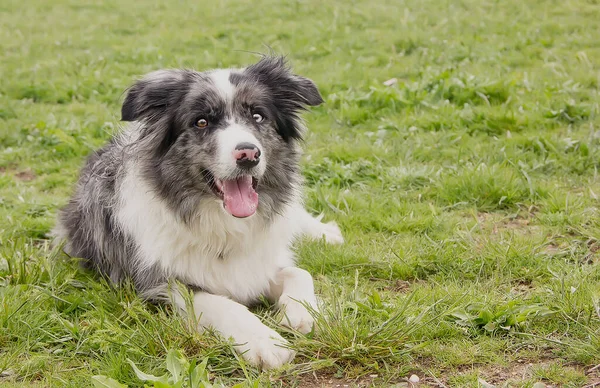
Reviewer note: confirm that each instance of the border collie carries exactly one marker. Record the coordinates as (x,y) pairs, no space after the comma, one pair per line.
(203,187)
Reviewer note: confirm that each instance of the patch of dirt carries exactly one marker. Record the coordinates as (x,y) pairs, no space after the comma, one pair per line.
(552,249)
(395,285)
(519,371)
(501,223)
(8,168)
(593,375)
(320,379)
(508,376)
(522,287)
(593,256)
(25,175)
(489,376)
(563,248)
(399,286)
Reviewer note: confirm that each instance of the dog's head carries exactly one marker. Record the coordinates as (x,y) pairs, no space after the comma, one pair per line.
(229,134)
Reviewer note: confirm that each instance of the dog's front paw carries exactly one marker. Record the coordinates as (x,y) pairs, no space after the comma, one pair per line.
(263,347)
(295,315)
(332,233)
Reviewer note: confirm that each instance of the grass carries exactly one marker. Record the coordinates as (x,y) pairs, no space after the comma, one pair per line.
(467,188)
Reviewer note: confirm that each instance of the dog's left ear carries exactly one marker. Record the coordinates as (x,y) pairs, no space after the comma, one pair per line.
(291,93)
(148,99)
(307,90)
(276,74)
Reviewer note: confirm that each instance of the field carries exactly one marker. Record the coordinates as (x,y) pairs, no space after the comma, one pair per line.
(458,149)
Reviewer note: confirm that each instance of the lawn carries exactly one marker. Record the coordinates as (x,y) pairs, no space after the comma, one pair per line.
(458,149)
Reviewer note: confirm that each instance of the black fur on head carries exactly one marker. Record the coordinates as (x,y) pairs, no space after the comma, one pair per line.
(152,100)
(150,97)
(290,93)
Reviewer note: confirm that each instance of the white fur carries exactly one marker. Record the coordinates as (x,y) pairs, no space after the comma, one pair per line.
(221,80)
(259,344)
(227,139)
(314,228)
(294,288)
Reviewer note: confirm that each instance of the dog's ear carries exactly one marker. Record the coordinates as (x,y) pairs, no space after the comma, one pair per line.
(291,93)
(276,74)
(150,96)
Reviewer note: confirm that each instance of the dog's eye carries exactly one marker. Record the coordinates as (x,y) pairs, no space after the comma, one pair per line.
(201,123)
(258,118)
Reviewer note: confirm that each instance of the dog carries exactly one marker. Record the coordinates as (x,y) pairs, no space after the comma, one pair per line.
(203,186)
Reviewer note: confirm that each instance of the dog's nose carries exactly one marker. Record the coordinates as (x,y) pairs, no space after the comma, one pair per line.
(247,155)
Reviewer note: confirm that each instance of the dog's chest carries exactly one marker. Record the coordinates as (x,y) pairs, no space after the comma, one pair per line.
(217,252)
(238,265)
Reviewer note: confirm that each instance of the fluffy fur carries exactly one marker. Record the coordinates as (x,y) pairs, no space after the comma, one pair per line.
(155,204)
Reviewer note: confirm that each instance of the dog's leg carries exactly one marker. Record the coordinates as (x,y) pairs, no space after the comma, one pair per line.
(314,228)
(292,288)
(257,343)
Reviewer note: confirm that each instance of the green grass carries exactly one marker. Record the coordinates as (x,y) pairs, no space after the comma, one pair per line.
(468,190)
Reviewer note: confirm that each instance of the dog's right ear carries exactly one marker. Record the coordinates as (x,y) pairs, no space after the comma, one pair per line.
(150,96)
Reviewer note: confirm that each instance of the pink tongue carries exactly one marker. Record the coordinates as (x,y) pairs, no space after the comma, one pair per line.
(239,197)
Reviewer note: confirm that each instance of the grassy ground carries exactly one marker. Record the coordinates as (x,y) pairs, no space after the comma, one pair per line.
(467,188)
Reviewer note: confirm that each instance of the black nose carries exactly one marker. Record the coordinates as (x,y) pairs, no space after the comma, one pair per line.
(247,155)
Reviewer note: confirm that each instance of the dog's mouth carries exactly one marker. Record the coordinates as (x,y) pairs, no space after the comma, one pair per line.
(239,195)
